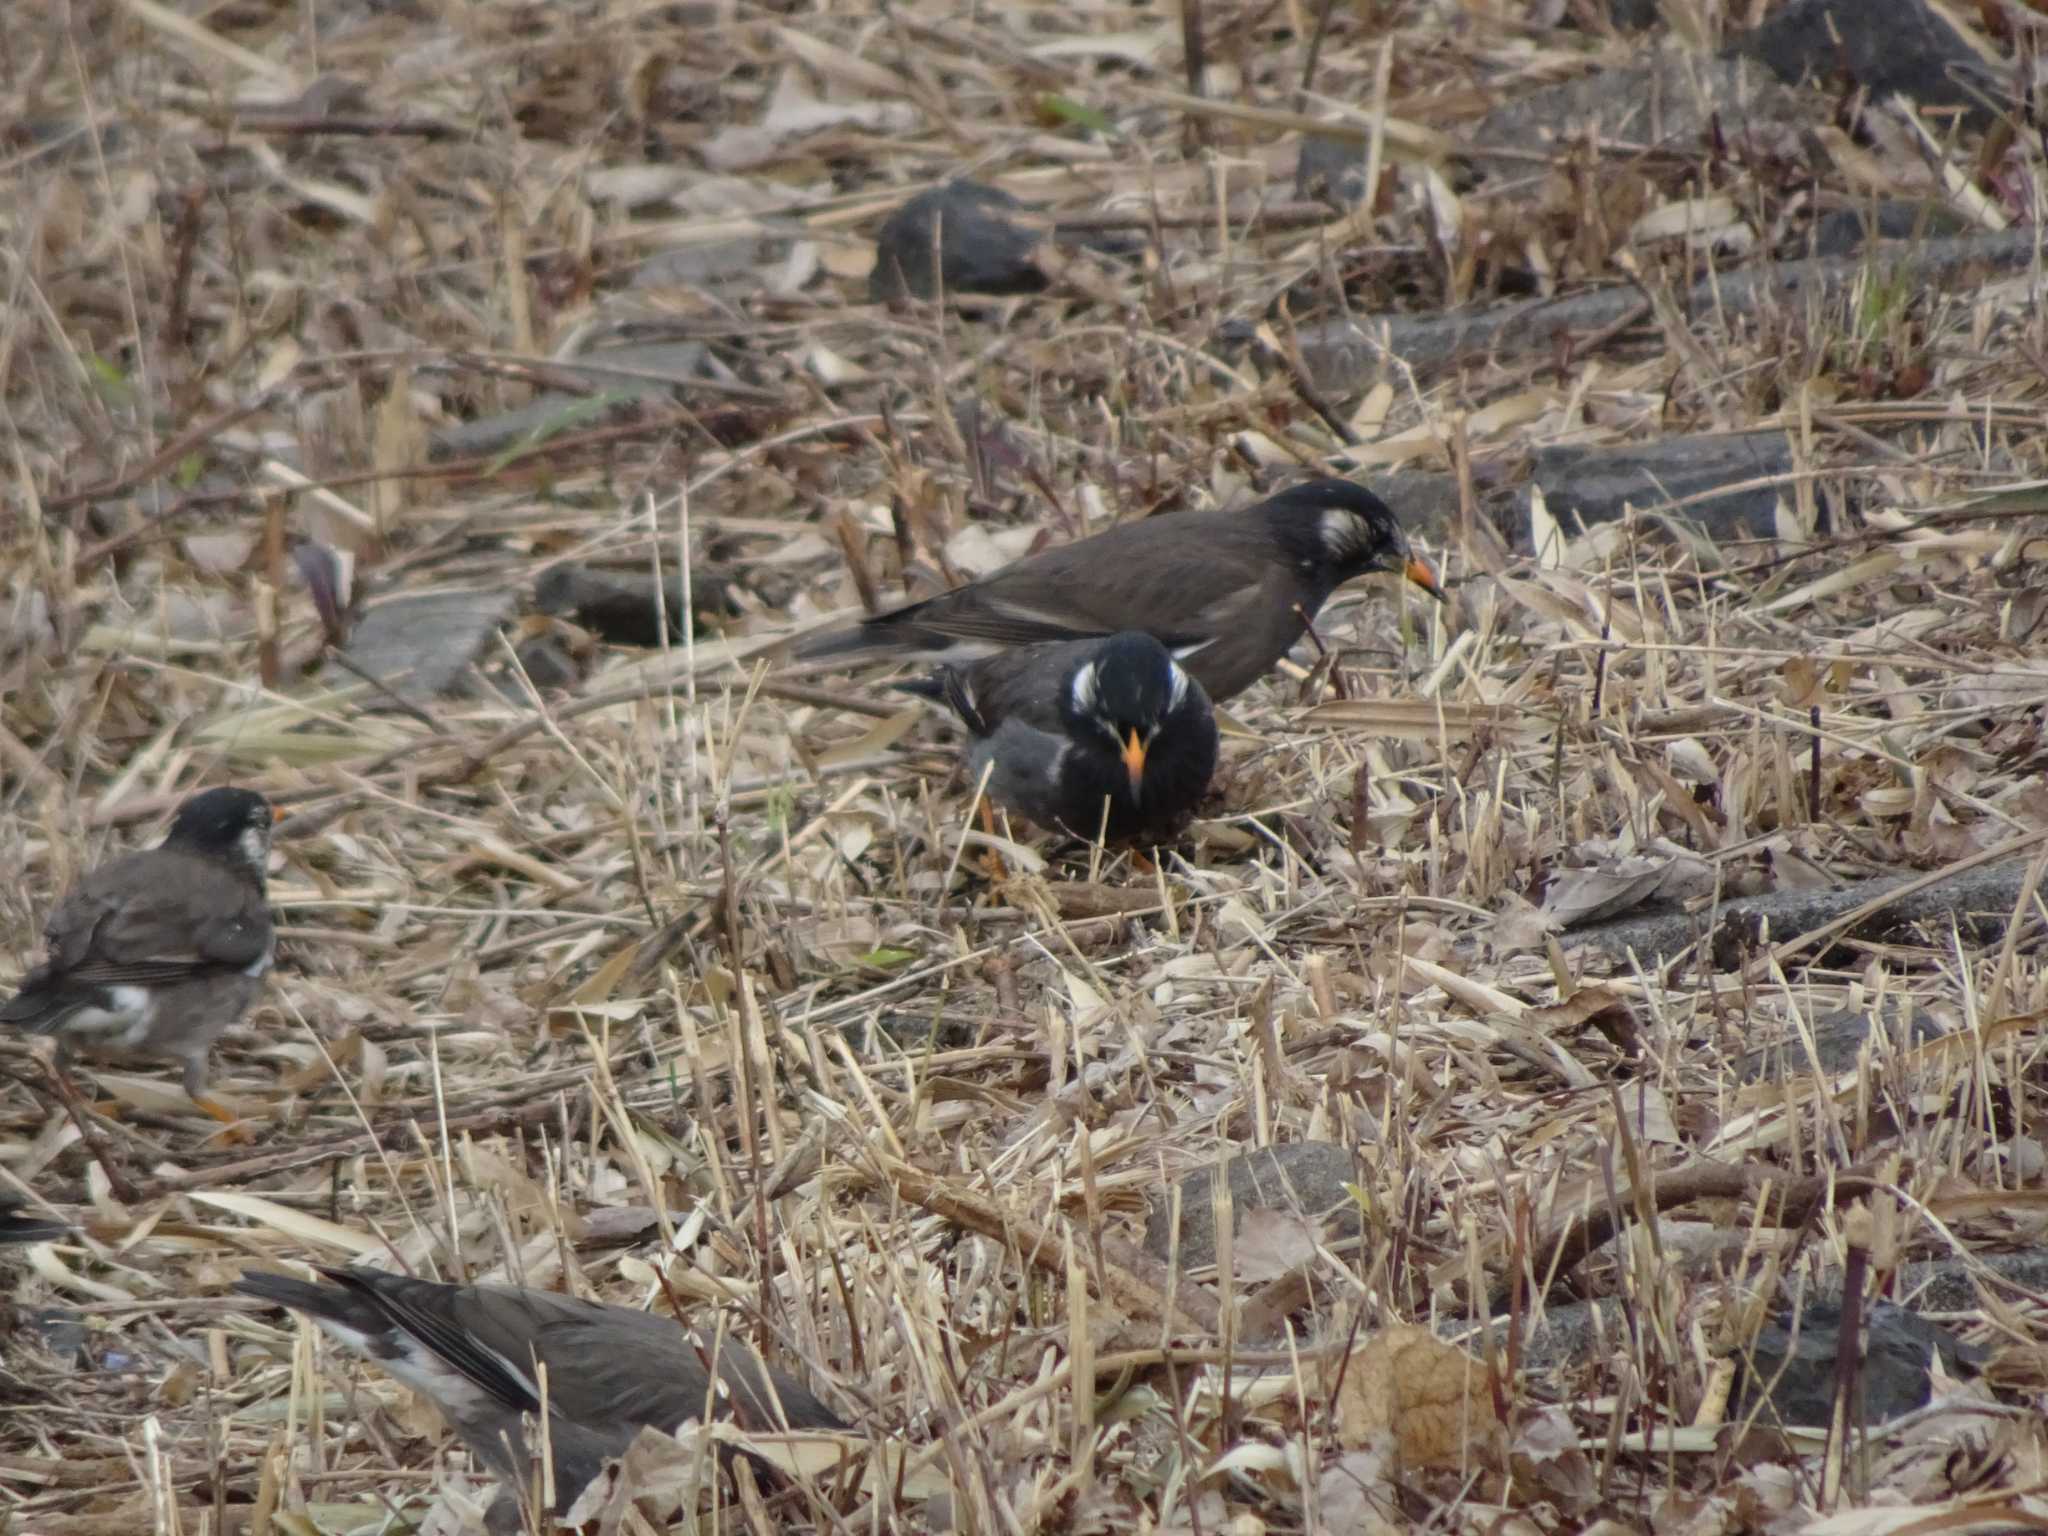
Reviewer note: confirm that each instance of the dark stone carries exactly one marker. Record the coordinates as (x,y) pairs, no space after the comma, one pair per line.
(986,240)
(1596,485)
(1332,169)
(61,1331)
(621,607)
(1848,230)
(1563,1336)
(1954,1285)
(1790,1373)
(1837,1040)
(1308,1177)
(1887,47)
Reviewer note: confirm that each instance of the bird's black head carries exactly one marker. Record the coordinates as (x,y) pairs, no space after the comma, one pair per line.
(230,824)
(1126,692)
(1339,529)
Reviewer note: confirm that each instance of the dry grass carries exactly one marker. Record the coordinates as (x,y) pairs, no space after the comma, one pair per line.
(694,976)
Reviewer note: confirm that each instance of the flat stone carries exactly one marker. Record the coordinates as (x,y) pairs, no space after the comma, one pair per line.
(1837,1041)
(424,643)
(1307,1177)
(1791,1375)
(1848,230)
(1673,98)
(1598,485)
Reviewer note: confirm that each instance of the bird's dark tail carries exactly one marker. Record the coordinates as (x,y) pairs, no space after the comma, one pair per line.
(38,1007)
(897,632)
(847,640)
(329,1303)
(17,1225)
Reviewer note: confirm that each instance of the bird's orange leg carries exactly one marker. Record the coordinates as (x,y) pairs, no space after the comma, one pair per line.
(992,861)
(234,1130)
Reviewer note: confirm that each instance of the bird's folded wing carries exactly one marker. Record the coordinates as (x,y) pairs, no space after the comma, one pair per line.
(478,1331)
(1113,601)
(196,917)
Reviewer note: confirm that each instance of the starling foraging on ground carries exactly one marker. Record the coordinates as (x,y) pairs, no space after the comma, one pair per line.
(157,952)
(1229,593)
(479,1352)
(1108,738)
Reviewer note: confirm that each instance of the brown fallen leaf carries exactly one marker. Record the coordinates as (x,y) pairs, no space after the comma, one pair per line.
(1430,1396)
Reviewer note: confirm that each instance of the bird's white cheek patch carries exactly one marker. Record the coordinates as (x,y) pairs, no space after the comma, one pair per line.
(1341,533)
(1084,690)
(1177,690)
(255,848)
(124,1022)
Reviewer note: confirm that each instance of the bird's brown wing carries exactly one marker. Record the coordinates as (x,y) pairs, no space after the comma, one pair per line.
(1164,576)
(157,916)
(603,1364)
(613,1366)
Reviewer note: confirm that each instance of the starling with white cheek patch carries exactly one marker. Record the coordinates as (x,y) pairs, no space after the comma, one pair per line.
(1228,593)
(156,953)
(1109,738)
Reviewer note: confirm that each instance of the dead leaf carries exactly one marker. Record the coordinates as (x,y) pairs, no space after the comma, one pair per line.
(1431,1397)
(1271,1243)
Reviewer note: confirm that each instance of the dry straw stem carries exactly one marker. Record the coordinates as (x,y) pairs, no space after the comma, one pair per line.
(673,974)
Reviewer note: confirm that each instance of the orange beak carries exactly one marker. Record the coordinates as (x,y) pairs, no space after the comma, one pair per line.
(1417,570)
(1134,762)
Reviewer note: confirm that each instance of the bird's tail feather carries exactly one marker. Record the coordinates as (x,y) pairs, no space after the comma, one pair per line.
(18,1226)
(844,641)
(333,1303)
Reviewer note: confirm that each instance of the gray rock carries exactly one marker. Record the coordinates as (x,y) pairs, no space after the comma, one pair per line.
(731,268)
(1597,485)
(1634,15)
(424,643)
(1847,230)
(1307,1177)
(1952,1285)
(1567,1335)
(1790,1375)
(1837,1040)
(547,665)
